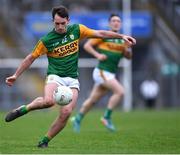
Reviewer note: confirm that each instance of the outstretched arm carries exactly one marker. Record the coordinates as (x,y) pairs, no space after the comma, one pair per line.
(85,32)
(23,66)
(109,34)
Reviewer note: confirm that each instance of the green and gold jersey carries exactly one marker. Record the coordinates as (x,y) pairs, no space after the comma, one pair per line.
(113,49)
(62,50)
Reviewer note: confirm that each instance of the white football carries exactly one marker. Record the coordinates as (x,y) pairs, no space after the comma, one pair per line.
(63,95)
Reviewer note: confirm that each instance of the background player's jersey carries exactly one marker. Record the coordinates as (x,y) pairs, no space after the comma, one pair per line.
(62,50)
(113,49)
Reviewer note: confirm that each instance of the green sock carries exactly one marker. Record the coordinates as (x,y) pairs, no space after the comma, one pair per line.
(45,139)
(24,109)
(79,117)
(107,113)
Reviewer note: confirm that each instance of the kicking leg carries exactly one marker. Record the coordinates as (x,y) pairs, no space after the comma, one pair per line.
(39,103)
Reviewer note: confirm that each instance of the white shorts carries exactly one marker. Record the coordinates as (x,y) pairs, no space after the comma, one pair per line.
(65,81)
(100,76)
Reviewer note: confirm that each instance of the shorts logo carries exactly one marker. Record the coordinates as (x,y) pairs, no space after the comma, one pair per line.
(51,78)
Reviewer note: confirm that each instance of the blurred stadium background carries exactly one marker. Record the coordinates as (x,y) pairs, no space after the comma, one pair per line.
(155,25)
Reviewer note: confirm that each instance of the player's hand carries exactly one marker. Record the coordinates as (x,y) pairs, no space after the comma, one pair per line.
(101,57)
(129,40)
(10,80)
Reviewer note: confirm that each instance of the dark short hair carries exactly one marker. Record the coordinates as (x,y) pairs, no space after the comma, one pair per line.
(112,15)
(61,11)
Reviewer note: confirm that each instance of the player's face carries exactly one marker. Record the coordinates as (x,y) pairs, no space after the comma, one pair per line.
(115,23)
(60,24)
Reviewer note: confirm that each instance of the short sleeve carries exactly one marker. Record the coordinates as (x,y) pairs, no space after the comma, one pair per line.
(85,32)
(39,49)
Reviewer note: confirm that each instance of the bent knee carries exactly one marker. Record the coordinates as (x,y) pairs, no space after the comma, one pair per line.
(120,92)
(49,102)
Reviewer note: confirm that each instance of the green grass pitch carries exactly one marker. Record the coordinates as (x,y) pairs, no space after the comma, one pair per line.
(137,132)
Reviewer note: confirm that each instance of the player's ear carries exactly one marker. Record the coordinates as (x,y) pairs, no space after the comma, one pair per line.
(68,20)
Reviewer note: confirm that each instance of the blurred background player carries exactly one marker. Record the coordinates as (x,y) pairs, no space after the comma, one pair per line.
(109,52)
(61,45)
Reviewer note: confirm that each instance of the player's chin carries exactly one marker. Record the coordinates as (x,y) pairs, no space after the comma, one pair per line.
(61,31)
(115,29)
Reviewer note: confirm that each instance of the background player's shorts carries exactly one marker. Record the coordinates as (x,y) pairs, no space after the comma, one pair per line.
(100,76)
(65,81)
